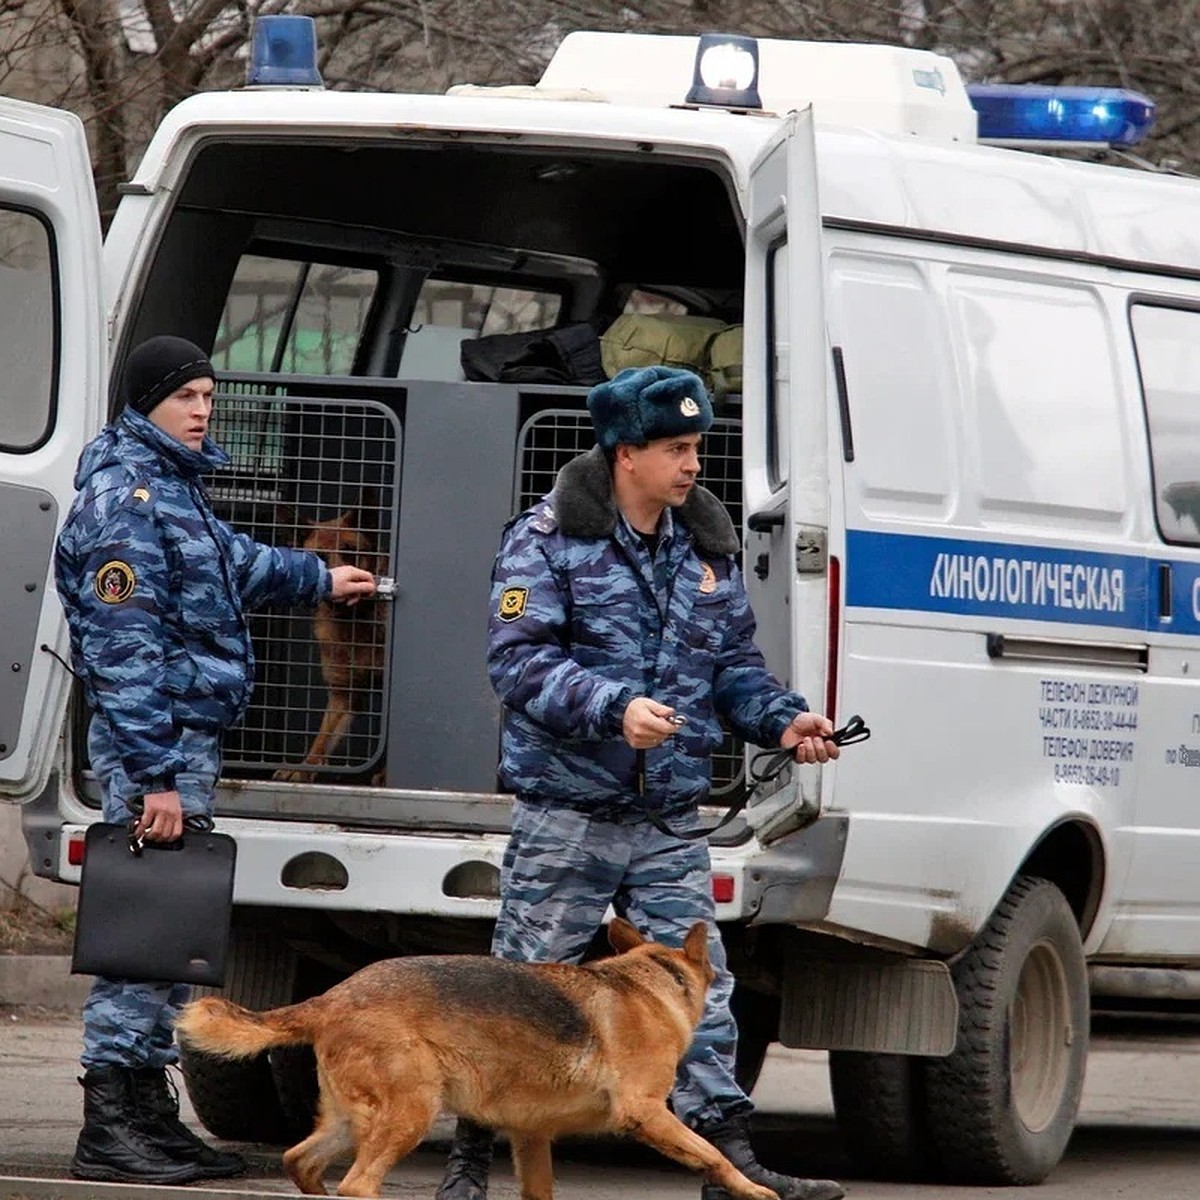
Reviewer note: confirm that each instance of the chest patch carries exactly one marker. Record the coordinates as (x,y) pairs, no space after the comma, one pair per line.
(115,582)
(512,603)
(708,580)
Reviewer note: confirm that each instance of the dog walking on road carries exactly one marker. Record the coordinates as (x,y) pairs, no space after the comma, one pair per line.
(536,1050)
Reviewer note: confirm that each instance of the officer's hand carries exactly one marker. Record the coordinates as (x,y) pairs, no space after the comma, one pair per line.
(807,737)
(351,584)
(161,819)
(645,723)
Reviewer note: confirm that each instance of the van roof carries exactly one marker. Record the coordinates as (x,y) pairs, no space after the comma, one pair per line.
(892,89)
(865,176)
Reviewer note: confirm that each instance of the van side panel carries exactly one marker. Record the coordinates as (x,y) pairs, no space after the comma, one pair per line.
(998,492)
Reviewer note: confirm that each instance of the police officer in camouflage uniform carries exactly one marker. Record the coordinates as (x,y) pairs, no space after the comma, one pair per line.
(617,605)
(156,590)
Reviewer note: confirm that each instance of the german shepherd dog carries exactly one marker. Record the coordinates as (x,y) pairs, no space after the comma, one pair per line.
(350,640)
(536,1050)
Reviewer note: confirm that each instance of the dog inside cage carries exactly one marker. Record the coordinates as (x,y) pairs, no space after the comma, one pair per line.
(318,474)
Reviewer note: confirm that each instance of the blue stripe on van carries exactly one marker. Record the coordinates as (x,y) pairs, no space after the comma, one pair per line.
(1000,579)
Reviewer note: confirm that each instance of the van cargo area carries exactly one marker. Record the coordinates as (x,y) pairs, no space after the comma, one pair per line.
(388,256)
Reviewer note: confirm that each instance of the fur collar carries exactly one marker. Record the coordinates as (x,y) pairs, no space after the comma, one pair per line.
(584,506)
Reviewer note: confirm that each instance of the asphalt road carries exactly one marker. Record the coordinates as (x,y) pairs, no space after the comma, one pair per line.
(1139,1133)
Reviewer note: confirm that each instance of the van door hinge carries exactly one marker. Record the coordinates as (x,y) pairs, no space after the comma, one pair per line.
(812,550)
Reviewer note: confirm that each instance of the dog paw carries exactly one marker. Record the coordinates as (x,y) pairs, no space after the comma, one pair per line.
(291,776)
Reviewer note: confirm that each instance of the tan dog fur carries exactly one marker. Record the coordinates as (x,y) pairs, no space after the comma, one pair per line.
(536,1050)
(350,640)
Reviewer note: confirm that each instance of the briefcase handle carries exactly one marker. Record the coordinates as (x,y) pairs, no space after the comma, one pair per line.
(193,823)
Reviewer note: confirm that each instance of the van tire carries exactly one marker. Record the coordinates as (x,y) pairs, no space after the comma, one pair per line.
(756,1015)
(237,1100)
(294,1073)
(1002,1106)
(878,1100)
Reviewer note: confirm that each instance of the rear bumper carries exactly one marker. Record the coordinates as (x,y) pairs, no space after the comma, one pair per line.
(430,854)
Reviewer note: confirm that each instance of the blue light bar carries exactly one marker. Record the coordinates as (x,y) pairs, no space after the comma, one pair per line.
(1031,112)
(283,53)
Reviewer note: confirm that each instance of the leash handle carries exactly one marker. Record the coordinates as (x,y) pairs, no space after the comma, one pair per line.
(776,762)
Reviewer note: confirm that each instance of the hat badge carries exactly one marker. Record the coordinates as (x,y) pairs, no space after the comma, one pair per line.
(689,407)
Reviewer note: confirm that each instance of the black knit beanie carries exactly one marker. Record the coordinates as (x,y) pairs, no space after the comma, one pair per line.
(159,367)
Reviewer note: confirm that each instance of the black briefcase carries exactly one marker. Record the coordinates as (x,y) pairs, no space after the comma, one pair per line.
(155,912)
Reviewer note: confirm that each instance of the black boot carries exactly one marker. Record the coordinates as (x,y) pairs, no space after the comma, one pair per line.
(470,1160)
(114,1146)
(158,1111)
(732,1138)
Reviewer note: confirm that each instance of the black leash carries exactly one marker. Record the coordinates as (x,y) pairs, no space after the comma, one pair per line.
(773,764)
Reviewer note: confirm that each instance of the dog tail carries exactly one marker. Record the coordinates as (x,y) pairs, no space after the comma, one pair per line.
(216,1026)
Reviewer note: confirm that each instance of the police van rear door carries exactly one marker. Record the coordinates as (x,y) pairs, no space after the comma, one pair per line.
(52,387)
(786,472)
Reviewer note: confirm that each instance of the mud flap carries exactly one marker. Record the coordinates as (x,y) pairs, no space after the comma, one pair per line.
(894,1006)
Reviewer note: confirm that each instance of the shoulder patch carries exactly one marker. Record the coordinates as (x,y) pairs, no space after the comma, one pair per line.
(141,493)
(115,582)
(708,579)
(512,603)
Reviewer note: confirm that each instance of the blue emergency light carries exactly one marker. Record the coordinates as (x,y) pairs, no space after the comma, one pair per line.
(1032,112)
(726,72)
(283,53)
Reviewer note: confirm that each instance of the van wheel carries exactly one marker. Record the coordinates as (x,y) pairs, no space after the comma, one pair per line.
(757,1018)
(1002,1106)
(238,1100)
(879,1101)
(294,1073)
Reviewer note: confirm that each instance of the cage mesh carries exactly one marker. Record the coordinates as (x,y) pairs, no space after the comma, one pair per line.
(318,473)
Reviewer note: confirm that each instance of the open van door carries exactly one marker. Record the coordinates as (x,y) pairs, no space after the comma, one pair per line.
(785,443)
(52,392)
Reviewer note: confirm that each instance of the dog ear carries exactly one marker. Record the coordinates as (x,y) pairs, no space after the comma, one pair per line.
(622,936)
(287,516)
(695,945)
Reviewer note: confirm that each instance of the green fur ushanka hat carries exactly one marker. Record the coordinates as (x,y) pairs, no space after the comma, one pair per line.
(640,404)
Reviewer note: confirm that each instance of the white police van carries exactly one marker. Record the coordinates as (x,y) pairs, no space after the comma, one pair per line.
(965,455)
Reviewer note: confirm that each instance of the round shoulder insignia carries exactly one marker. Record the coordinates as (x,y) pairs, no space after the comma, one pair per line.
(708,579)
(115,582)
(512,603)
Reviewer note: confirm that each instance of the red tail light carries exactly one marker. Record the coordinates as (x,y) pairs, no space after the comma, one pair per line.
(75,850)
(722,888)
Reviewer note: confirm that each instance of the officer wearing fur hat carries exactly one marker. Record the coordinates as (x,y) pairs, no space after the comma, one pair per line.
(156,590)
(617,605)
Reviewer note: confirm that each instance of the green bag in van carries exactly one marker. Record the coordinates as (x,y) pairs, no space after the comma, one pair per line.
(724,367)
(705,345)
(651,340)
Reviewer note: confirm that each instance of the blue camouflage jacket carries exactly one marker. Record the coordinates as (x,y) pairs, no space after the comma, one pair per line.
(582,621)
(156,591)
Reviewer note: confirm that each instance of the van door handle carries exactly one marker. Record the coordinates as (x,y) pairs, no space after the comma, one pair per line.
(765,521)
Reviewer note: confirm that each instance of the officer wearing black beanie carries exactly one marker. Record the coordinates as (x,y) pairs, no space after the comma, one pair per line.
(159,367)
(156,590)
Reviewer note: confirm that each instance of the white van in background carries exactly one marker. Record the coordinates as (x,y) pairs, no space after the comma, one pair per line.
(965,457)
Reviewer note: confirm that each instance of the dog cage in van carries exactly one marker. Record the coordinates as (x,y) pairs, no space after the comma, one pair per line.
(410,480)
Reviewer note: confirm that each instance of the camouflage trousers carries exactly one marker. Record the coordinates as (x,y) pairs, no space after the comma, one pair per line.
(131,1024)
(562,869)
